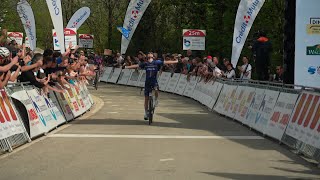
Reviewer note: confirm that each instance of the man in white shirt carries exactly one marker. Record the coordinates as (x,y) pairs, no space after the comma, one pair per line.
(245,69)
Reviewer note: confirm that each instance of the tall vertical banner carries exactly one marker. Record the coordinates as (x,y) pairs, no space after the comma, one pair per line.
(79,18)
(307,52)
(27,18)
(55,10)
(247,13)
(134,14)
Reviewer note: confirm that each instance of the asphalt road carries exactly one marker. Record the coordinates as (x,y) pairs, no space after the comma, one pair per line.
(185,142)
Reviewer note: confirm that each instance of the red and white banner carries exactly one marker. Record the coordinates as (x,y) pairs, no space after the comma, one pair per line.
(280,115)
(70,35)
(57,20)
(86,41)
(194,39)
(17,36)
(304,123)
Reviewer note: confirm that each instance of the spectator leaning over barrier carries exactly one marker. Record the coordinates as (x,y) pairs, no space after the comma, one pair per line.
(217,73)
(230,73)
(245,69)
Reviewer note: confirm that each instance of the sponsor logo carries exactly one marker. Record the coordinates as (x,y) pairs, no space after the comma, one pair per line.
(187,43)
(55,7)
(135,14)
(56,43)
(312,70)
(314,26)
(246,20)
(79,19)
(313,50)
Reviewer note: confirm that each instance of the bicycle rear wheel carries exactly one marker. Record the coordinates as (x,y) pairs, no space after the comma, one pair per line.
(150,110)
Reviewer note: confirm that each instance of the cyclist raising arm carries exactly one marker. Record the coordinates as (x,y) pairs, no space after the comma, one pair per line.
(152,68)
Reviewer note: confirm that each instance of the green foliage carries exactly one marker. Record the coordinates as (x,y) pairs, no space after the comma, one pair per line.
(161,27)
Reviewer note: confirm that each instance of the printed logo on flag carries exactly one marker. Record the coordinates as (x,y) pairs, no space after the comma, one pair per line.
(314,27)
(135,14)
(313,50)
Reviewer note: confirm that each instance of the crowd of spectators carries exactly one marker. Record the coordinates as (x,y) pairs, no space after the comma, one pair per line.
(46,70)
(207,67)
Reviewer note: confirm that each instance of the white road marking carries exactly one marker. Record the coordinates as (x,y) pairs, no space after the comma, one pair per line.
(112,112)
(115,105)
(164,160)
(154,136)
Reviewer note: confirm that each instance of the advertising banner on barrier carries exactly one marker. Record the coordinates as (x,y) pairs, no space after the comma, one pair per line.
(133,80)
(254,107)
(261,120)
(304,123)
(44,113)
(76,93)
(236,102)
(86,91)
(124,76)
(280,115)
(60,106)
(207,93)
(307,46)
(115,75)
(231,102)
(164,80)
(197,91)
(84,96)
(216,89)
(227,94)
(9,114)
(142,78)
(173,83)
(245,103)
(192,83)
(37,125)
(106,74)
(247,13)
(181,86)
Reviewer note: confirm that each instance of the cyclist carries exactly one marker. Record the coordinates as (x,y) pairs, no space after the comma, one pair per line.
(152,67)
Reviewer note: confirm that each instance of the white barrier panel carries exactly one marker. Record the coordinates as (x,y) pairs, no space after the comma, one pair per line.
(84,96)
(230,105)
(37,125)
(10,123)
(196,95)
(280,115)
(192,83)
(124,76)
(79,100)
(86,91)
(133,80)
(304,124)
(245,102)
(225,100)
(68,115)
(41,109)
(142,78)
(254,107)
(182,83)
(207,94)
(106,74)
(173,83)
(164,80)
(113,78)
(260,122)
(236,102)
(216,89)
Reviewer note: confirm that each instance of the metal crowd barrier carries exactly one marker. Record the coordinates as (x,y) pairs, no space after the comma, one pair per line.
(58,110)
(129,78)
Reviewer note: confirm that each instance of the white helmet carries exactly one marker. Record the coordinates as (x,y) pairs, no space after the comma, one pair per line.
(4,52)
